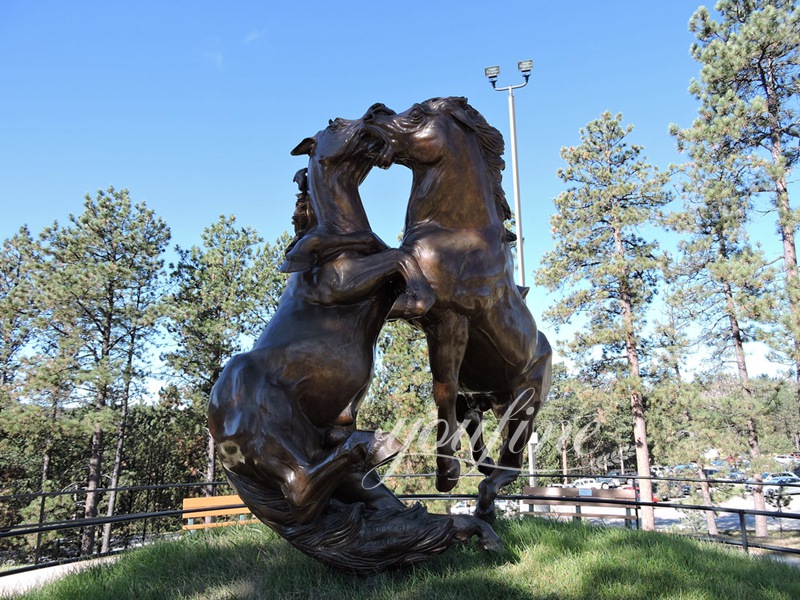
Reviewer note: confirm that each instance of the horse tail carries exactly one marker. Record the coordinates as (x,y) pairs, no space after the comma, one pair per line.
(351,537)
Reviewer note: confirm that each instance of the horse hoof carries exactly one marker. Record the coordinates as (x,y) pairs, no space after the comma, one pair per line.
(486,467)
(447,474)
(411,304)
(385,448)
(490,541)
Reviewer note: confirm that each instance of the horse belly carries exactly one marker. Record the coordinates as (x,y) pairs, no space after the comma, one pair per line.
(326,379)
(466,272)
(501,348)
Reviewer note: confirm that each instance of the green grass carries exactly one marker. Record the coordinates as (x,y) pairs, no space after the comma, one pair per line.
(542,560)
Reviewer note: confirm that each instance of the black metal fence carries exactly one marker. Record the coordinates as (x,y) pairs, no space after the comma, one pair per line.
(32,545)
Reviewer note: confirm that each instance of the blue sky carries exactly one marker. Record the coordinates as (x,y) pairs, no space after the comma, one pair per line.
(194,106)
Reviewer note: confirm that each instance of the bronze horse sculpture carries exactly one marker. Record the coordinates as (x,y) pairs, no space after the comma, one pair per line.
(284,413)
(485,349)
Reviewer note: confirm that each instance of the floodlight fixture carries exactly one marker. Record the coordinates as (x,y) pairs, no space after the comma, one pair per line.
(526,66)
(492,73)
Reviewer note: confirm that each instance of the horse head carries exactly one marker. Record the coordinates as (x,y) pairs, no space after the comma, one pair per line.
(423,134)
(340,157)
(342,150)
(441,137)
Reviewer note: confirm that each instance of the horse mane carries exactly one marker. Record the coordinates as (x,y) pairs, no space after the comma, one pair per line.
(492,147)
(301,219)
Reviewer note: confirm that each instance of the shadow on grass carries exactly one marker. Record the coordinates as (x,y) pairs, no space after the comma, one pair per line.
(541,560)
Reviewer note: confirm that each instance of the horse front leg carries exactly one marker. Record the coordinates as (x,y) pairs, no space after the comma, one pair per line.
(351,279)
(447,342)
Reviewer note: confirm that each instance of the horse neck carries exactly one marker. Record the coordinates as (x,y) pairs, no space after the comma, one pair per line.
(453,196)
(335,201)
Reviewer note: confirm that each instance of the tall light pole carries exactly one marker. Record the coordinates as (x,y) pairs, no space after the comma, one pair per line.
(525,66)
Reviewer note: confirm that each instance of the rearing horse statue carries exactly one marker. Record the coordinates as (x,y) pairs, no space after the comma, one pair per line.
(284,413)
(485,349)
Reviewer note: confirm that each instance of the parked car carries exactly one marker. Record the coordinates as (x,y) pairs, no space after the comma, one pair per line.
(607,482)
(736,476)
(462,508)
(619,478)
(767,478)
(591,483)
(785,459)
(635,486)
(506,507)
(784,486)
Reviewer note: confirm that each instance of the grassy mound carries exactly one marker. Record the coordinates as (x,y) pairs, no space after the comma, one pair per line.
(542,559)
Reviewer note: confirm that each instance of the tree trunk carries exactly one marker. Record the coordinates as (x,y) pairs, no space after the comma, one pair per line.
(564,463)
(758,490)
(211,470)
(637,404)
(37,554)
(705,490)
(112,495)
(92,483)
(736,336)
(642,461)
(121,432)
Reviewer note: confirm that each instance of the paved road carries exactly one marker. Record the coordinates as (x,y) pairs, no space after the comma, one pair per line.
(22,582)
(671,517)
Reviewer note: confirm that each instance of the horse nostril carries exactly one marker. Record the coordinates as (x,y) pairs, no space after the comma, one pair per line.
(378,109)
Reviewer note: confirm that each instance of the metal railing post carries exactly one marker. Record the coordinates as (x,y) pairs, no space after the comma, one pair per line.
(743,529)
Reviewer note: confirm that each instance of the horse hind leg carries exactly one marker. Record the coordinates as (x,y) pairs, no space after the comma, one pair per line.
(471,418)
(519,424)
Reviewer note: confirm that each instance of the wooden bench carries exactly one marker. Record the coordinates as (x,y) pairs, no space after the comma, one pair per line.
(208,506)
(584,498)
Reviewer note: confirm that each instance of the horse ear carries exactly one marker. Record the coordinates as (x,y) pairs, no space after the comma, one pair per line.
(304,147)
(464,120)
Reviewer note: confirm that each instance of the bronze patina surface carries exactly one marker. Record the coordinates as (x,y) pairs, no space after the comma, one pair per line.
(284,414)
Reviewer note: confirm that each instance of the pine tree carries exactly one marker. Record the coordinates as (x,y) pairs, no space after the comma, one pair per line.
(724,282)
(609,274)
(749,88)
(400,400)
(99,284)
(225,291)
(18,263)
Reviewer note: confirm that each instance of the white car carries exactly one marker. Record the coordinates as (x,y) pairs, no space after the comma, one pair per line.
(777,486)
(462,508)
(590,483)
